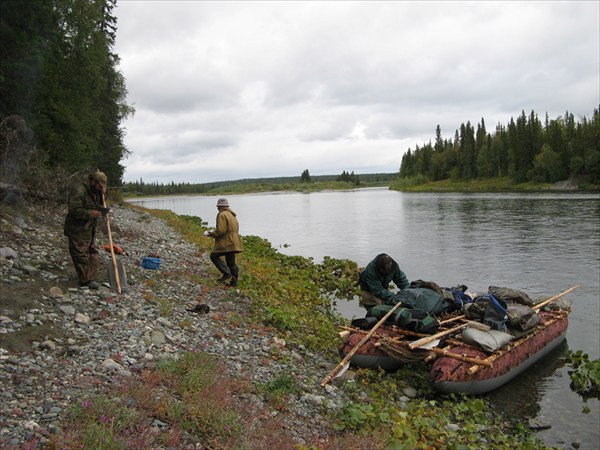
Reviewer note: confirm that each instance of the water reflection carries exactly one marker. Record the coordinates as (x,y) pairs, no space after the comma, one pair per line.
(529,387)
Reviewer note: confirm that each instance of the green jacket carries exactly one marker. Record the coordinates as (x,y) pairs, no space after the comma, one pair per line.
(377,283)
(226,234)
(79,223)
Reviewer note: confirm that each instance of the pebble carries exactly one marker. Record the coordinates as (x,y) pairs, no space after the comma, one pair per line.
(80,331)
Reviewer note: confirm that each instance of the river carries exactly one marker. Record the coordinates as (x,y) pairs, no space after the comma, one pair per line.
(540,243)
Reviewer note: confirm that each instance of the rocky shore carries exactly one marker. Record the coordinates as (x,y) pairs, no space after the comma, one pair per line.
(60,342)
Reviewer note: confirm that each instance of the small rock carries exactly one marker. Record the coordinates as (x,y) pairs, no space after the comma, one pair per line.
(409,392)
(48,345)
(538,425)
(8,253)
(111,364)
(55,292)
(82,319)
(30,270)
(69,310)
(158,338)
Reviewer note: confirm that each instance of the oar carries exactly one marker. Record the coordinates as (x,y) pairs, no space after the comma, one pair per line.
(556,297)
(112,249)
(344,363)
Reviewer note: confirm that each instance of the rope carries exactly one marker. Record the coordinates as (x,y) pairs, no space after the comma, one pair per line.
(398,351)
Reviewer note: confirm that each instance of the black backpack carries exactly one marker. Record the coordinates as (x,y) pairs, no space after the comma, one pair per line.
(489,310)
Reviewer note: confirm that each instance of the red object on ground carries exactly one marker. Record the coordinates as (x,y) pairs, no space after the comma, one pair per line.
(118,250)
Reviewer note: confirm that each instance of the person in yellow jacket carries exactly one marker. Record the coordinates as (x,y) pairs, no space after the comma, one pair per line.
(227,243)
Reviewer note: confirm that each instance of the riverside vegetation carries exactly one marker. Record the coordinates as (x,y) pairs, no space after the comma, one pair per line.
(195,397)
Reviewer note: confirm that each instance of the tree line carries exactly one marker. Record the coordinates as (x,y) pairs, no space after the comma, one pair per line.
(524,150)
(62,99)
(142,188)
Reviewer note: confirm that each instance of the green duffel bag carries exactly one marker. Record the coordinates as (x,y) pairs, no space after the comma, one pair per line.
(410,319)
(422,298)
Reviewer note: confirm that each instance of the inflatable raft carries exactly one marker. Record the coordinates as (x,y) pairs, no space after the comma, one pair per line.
(451,375)
(459,367)
(467,356)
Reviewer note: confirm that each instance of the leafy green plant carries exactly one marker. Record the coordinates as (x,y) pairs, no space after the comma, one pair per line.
(165,306)
(284,383)
(585,375)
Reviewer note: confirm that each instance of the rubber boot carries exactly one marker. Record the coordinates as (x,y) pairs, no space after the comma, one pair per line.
(235,271)
(219,264)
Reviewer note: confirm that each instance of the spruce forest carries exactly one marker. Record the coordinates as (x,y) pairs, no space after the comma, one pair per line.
(62,99)
(525,150)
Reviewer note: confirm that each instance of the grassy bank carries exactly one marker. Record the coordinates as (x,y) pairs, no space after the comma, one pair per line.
(505,184)
(312,186)
(195,396)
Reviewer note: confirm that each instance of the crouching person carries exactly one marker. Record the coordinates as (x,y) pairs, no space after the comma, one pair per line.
(375,279)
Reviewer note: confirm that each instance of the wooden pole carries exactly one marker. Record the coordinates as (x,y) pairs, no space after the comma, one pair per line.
(112,250)
(453,319)
(478,361)
(556,297)
(346,360)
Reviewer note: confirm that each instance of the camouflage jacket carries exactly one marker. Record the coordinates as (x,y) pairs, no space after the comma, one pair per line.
(79,223)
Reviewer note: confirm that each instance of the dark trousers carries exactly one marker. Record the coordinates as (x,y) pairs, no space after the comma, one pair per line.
(86,259)
(227,268)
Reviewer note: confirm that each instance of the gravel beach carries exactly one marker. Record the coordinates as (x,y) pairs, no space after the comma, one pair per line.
(60,342)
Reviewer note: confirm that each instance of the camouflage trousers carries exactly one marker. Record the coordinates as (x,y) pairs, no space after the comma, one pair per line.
(369,300)
(86,258)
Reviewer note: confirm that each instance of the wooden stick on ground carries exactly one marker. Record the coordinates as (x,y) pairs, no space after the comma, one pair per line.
(346,360)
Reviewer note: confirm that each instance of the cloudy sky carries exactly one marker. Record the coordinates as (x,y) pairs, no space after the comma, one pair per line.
(231,90)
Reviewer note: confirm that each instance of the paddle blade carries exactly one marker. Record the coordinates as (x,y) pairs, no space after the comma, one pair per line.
(122,276)
(342,371)
(430,345)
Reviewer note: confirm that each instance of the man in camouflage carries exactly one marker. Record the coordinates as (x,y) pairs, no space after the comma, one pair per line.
(85,208)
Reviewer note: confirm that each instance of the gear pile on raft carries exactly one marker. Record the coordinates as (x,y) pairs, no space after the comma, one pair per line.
(475,342)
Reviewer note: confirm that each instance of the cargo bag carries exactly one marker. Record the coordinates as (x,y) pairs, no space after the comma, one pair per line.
(422,298)
(521,317)
(410,319)
(488,341)
(510,295)
(488,310)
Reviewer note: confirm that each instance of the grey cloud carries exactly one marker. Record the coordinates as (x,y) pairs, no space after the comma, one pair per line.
(279,87)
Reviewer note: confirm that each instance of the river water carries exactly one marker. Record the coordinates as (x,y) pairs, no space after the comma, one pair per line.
(540,243)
